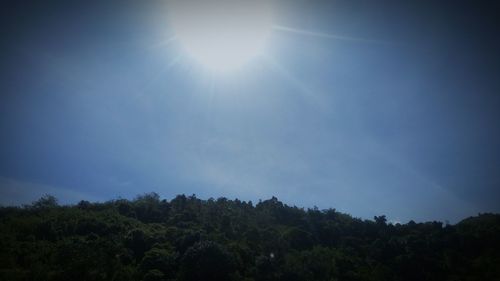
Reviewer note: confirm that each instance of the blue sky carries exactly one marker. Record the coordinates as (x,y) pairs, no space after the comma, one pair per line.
(97,103)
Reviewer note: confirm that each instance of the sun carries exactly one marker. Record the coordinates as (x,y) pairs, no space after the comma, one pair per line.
(221,35)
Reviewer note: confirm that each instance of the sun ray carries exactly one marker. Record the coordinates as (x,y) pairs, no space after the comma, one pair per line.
(163,43)
(157,76)
(309,95)
(327,35)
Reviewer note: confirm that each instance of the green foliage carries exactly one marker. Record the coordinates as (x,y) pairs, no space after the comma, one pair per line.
(161,258)
(318,264)
(154,275)
(191,239)
(45,202)
(207,260)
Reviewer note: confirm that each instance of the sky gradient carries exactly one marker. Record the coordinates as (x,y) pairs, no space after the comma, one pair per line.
(369,107)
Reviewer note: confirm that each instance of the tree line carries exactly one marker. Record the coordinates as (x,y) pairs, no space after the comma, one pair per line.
(186,238)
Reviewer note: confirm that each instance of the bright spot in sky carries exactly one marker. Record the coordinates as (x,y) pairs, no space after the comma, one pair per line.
(221,35)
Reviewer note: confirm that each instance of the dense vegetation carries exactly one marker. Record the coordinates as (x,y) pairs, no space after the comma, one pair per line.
(191,239)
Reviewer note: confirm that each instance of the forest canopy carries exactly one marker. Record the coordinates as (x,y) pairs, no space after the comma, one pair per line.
(187,238)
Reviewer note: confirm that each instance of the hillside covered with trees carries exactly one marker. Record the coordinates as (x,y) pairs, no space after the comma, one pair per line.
(187,238)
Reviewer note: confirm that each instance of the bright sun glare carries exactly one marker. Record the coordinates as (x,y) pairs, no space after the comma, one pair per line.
(221,35)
